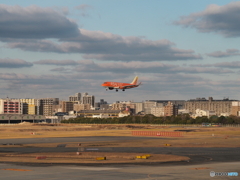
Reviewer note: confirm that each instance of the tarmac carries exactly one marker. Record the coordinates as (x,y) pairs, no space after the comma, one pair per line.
(202,162)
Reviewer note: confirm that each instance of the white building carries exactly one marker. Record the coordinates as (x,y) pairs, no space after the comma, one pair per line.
(200,113)
(124,113)
(183,111)
(100,116)
(157,111)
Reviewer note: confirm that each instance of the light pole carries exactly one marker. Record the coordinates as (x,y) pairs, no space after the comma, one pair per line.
(9,117)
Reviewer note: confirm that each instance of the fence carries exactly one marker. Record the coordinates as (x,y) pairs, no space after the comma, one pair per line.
(157,133)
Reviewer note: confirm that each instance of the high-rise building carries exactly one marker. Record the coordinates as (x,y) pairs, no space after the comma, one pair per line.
(45,106)
(67,106)
(170,109)
(100,104)
(179,103)
(157,111)
(219,106)
(139,107)
(147,105)
(87,99)
(11,106)
(79,107)
(29,106)
(77,97)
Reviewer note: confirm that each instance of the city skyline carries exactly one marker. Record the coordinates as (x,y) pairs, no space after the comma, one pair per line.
(178,49)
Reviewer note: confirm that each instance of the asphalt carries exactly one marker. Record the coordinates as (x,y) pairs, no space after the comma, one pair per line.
(202,161)
(122,172)
(71,139)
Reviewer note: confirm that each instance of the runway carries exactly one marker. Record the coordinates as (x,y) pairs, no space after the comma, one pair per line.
(122,172)
(202,161)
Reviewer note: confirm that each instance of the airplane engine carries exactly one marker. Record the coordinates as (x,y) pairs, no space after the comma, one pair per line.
(110,88)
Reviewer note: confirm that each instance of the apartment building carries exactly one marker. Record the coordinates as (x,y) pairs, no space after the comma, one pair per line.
(219,106)
(45,106)
(29,106)
(157,111)
(235,108)
(124,105)
(170,109)
(11,106)
(87,99)
(76,97)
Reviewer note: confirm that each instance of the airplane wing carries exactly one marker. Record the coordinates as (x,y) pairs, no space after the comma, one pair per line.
(129,86)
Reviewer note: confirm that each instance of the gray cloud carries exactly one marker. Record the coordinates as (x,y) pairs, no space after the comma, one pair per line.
(31,28)
(167,86)
(14,63)
(61,70)
(56,62)
(106,46)
(35,22)
(145,67)
(228,53)
(219,19)
(231,65)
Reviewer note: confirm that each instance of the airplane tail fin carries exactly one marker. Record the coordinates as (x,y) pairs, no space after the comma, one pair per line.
(135,80)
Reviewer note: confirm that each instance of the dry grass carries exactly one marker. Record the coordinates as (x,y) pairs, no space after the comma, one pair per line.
(198,137)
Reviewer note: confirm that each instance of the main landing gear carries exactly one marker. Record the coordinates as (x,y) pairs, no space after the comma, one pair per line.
(116,90)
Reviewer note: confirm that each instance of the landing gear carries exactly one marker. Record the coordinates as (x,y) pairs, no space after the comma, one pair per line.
(123,90)
(116,90)
(106,89)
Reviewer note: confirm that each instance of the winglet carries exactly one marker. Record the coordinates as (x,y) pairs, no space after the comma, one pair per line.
(135,80)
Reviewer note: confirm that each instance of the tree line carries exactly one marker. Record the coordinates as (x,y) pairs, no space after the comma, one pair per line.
(151,119)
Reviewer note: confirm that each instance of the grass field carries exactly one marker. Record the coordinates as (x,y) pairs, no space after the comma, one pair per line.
(196,137)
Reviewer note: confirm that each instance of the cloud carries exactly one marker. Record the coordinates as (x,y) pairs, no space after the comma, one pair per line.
(218,19)
(106,46)
(145,67)
(34,22)
(14,63)
(228,53)
(61,70)
(40,29)
(83,7)
(231,65)
(56,62)
(220,67)
(132,66)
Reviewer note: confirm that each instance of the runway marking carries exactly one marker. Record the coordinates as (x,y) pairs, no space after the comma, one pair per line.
(93,168)
(200,168)
(17,169)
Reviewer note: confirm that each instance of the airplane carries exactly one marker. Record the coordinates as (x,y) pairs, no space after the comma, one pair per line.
(123,86)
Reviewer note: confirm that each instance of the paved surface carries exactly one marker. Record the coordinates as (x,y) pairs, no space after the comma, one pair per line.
(174,172)
(203,160)
(71,139)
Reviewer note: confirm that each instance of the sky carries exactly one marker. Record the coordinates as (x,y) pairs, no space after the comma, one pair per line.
(180,50)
